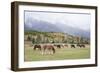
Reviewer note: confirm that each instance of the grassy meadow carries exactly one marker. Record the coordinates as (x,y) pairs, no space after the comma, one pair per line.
(61,54)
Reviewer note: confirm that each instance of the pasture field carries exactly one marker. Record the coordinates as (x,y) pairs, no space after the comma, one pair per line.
(61,54)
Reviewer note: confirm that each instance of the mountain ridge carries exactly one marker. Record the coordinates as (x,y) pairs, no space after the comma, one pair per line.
(43,26)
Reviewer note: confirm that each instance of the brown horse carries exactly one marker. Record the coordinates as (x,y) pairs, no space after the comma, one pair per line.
(48,49)
(66,45)
(45,48)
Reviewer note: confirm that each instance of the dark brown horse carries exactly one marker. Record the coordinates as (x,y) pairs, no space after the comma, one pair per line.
(57,45)
(81,45)
(72,46)
(38,47)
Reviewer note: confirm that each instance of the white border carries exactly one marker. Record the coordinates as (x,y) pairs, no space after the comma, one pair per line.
(23,64)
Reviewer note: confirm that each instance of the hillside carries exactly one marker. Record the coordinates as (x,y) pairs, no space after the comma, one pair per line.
(43,26)
(54,37)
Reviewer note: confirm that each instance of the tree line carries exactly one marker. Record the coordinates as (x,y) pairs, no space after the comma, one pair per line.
(52,37)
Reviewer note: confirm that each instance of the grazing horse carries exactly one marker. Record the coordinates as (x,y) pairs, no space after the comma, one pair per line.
(72,46)
(37,47)
(66,45)
(48,49)
(45,48)
(58,46)
(81,45)
(78,45)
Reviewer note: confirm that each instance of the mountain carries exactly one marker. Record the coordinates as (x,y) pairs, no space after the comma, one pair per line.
(74,31)
(43,26)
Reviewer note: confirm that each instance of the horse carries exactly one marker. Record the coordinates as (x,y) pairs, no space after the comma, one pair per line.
(81,45)
(78,45)
(66,45)
(58,46)
(37,47)
(45,48)
(48,49)
(72,46)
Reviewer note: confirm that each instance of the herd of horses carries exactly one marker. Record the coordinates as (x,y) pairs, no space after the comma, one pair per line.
(51,48)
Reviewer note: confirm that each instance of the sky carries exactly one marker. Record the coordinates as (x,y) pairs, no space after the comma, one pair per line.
(76,20)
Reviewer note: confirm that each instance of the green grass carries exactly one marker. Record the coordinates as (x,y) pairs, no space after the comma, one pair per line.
(61,54)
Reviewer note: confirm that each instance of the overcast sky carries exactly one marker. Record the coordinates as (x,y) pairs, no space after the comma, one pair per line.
(81,21)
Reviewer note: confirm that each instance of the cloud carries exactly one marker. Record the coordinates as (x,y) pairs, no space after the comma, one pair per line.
(81,21)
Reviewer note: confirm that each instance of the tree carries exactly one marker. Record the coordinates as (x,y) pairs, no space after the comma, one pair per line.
(82,40)
(77,40)
(72,41)
(33,41)
(29,38)
(65,41)
(38,39)
(53,41)
(47,40)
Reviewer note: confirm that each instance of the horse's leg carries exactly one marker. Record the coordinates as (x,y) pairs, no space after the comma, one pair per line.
(84,46)
(50,51)
(47,51)
(53,49)
(42,51)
